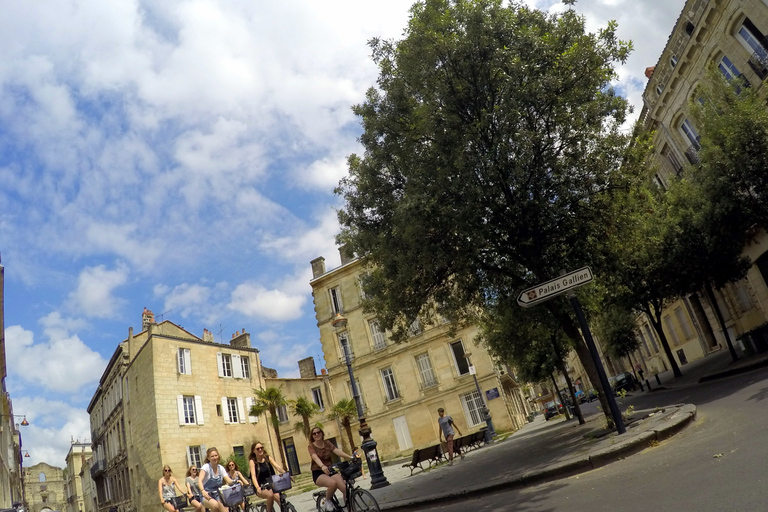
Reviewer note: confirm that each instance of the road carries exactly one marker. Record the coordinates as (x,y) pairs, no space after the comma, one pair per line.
(719,463)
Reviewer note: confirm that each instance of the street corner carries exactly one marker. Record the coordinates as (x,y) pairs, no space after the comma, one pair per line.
(622,448)
(557,471)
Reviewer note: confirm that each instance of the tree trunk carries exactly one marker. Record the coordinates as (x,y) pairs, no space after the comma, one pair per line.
(654,315)
(720,320)
(276,428)
(348,428)
(559,398)
(307,428)
(575,402)
(634,371)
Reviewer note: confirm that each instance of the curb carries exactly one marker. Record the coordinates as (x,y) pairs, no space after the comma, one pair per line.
(669,426)
(735,371)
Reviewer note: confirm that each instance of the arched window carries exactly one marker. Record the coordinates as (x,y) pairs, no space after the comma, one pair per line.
(41,477)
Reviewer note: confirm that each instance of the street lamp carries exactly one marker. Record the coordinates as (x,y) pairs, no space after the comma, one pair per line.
(24,422)
(368,445)
(25,453)
(490,432)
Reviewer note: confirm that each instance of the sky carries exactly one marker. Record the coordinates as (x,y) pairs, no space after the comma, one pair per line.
(181,155)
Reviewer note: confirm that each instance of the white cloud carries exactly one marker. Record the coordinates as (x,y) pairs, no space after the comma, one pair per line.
(304,244)
(93,296)
(62,364)
(254,300)
(324,173)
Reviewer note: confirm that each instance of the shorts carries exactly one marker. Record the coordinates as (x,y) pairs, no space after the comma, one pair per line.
(316,473)
(214,495)
(198,497)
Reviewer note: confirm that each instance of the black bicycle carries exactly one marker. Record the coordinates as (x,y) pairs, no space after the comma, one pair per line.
(355,499)
(282,502)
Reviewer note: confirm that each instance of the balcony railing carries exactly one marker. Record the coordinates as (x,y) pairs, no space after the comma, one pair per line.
(759,63)
(692,154)
(97,468)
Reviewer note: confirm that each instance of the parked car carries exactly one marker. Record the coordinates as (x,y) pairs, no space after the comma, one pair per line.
(623,381)
(552,409)
(592,395)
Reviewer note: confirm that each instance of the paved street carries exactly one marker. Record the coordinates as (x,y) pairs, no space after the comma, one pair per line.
(715,464)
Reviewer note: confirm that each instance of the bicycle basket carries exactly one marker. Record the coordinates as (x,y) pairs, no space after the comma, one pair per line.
(249,490)
(179,502)
(281,482)
(350,470)
(232,495)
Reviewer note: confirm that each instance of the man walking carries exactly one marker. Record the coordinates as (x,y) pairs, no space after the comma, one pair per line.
(446,428)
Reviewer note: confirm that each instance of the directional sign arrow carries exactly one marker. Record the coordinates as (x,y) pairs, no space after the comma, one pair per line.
(552,288)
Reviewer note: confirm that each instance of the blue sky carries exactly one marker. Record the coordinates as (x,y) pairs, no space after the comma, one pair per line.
(181,155)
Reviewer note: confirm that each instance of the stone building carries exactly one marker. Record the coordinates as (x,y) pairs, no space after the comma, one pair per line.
(402,385)
(73,486)
(45,488)
(164,398)
(729,35)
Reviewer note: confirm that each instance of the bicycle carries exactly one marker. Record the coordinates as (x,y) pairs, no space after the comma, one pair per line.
(355,499)
(283,503)
(232,496)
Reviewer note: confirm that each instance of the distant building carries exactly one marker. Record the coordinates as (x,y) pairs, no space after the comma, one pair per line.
(45,488)
(73,486)
(164,398)
(402,385)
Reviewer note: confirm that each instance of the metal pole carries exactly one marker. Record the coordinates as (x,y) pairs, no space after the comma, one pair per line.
(490,432)
(615,412)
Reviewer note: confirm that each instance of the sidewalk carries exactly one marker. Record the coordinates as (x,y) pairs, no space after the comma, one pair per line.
(544,451)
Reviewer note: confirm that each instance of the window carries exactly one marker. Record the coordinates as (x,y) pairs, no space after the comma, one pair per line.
(239,451)
(232,410)
(671,157)
(415,328)
(190,410)
(426,372)
(282,414)
(754,41)
(245,365)
(683,321)
(659,90)
(650,336)
(360,281)
(473,408)
(462,367)
(690,133)
(185,366)
(673,61)
(317,397)
(225,364)
(249,403)
(345,347)
(379,340)
(359,393)
(194,455)
(336,305)
(745,301)
(671,331)
(727,68)
(390,387)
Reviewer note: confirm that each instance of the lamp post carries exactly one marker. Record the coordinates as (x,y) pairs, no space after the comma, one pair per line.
(24,422)
(490,432)
(368,445)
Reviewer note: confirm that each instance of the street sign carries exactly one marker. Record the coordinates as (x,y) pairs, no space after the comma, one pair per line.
(554,287)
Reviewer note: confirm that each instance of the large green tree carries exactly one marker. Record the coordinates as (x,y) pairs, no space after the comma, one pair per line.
(492,154)
(269,400)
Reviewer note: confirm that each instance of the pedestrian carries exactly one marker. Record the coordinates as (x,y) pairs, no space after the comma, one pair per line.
(446,428)
(356,453)
(640,372)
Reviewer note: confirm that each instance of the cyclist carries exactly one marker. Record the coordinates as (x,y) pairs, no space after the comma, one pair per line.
(236,476)
(320,451)
(262,467)
(166,490)
(212,476)
(195,495)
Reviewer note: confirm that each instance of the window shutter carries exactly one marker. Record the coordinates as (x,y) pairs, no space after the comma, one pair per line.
(225,410)
(180,408)
(199,410)
(237,367)
(250,402)
(189,456)
(220,363)
(187,361)
(240,411)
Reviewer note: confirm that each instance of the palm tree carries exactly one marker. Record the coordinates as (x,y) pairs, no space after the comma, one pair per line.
(304,408)
(345,410)
(270,400)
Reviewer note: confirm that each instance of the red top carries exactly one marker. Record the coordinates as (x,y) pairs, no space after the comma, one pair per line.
(324,453)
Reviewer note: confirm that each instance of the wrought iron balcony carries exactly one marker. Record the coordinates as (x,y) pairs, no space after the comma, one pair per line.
(759,63)
(692,154)
(97,468)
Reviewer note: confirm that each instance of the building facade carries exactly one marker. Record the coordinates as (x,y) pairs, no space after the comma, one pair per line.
(164,398)
(73,481)
(729,35)
(45,488)
(401,386)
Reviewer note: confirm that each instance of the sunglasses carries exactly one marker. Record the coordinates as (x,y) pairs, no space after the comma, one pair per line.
(315,433)
(193,469)
(166,471)
(259,448)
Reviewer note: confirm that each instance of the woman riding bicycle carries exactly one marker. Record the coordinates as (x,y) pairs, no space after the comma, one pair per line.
(236,476)
(195,495)
(165,488)
(320,452)
(262,467)
(212,476)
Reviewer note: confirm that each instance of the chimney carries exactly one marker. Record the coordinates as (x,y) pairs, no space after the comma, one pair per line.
(346,254)
(241,340)
(323,371)
(147,318)
(307,368)
(207,336)
(649,71)
(318,266)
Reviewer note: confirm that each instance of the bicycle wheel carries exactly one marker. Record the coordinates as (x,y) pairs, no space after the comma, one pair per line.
(320,503)
(288,508)
(363,501)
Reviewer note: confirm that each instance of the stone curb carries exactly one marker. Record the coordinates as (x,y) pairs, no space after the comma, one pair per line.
(669,425)
(735,371)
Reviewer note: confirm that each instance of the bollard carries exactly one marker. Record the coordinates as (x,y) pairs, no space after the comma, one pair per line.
(648,384)
(658,380)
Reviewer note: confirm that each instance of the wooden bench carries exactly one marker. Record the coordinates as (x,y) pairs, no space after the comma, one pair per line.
(432,454)
(469,441)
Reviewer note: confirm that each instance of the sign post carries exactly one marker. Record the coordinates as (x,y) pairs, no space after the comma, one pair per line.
(566,283)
